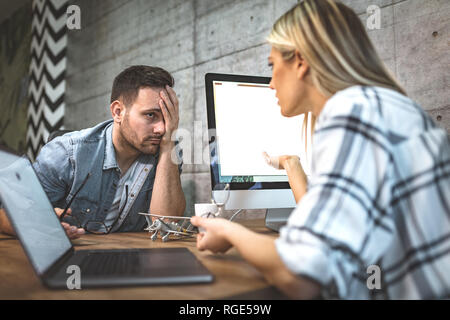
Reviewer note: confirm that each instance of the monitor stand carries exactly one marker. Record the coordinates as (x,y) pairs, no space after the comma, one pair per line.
(276,218)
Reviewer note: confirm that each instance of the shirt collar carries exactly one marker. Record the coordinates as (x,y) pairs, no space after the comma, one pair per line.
(109,161)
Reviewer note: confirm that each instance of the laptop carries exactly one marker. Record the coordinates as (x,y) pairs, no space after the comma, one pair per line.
(53,256)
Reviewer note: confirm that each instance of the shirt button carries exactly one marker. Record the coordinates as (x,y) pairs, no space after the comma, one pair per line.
(146,169)
(132,195)
(88,210)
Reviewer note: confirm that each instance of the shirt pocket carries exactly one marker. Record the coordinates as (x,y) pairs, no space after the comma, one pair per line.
(144,197)
(148,188)
(146,192)
(148,185)
(84,207)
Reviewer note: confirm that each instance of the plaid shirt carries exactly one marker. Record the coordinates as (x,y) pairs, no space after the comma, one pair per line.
(379,194)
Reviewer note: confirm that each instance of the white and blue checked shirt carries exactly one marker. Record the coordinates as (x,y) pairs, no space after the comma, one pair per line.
(379,194)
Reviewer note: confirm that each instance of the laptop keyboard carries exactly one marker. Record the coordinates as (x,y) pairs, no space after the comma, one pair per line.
(111,263)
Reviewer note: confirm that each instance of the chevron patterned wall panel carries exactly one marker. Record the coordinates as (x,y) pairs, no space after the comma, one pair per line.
(47,72)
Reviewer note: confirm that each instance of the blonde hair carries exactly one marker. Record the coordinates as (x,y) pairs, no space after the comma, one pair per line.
(334,42)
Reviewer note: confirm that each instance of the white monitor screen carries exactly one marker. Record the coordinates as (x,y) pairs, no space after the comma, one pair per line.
(248,123)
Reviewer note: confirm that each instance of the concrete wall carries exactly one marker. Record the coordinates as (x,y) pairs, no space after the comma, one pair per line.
(15,57)
(192,37)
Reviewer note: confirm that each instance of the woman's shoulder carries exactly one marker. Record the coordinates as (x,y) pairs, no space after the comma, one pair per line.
(357,103)
(378,106)
(372,98)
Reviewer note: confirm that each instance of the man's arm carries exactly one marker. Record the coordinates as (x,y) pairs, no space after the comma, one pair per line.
(71,231)
(168,197)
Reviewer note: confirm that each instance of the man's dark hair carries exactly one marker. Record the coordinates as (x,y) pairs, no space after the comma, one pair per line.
(127,84)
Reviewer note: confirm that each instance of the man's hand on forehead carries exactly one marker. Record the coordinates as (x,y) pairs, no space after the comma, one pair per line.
(170,99)
(170,109)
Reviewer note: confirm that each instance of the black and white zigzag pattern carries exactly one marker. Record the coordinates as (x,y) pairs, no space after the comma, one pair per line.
(47,72)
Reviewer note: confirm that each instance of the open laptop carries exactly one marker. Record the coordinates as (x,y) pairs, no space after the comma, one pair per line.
(51,253)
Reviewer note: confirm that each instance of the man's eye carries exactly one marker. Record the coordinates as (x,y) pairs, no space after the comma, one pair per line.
(151,115)
(271,65)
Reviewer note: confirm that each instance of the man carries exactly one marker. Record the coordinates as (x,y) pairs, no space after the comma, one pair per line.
(120,167)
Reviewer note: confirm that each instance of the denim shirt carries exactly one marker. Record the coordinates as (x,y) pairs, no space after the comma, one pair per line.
(64,163)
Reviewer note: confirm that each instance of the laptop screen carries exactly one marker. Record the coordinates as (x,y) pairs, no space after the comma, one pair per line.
(31,213)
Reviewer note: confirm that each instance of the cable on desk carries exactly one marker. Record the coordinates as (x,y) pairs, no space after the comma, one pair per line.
(235,214)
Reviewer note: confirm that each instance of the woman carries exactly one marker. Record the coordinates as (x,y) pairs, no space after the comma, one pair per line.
(379,189)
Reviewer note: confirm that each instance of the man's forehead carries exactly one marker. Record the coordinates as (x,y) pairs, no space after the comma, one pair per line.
(150,91)
(148,97)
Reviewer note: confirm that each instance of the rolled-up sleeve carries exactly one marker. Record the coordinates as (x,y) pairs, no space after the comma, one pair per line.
(340,226)
(54,170)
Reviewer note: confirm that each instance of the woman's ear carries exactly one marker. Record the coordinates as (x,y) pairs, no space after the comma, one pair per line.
(116,110)
(302,67)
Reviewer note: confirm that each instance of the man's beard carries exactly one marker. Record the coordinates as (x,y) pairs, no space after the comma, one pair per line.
(130,138)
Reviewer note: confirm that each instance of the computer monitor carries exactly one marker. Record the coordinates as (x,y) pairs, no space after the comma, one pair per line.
(244,121)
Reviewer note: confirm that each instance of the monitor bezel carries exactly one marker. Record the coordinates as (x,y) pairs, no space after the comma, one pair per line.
(209,88)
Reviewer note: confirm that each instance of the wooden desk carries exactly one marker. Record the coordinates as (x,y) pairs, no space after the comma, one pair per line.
(232,274)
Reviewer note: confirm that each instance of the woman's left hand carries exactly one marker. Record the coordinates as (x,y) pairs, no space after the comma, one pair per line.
(214,238)
(296,174)
(281,162)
